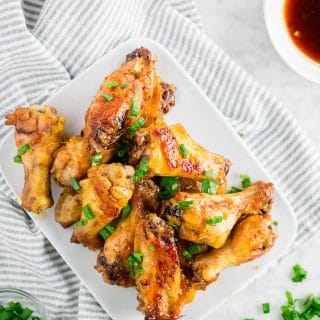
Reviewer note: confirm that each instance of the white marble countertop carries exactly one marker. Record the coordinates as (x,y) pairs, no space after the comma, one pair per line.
(238,28)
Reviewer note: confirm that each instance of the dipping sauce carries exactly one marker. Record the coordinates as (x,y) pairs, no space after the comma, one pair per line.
(303,22)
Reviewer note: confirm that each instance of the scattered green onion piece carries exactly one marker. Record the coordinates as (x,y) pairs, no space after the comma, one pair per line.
(183,150)
(88,212)
(15,306)
(208,186)
(17,159)
(194,248)
(266,307)
(107,96)
(134,108)
(245,180)
(1,308)
(276,223)
(123,148)
(124,85)
(299,274)
(35,318)
(112,84)
(204,186)
(184,204)
(126,211)
(210,175)
(142,170)
(187,254)
(75,184)
(135,261)
(23,149)
(214,221)
(135,73)
(95,159)
(26,313)
(80,223)
(234,190)
(107,231)
(6,315)
(168,187)
(136,126)
(173,225)
(151,248)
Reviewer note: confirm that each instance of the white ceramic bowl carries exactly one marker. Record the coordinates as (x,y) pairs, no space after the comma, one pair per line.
(277,29)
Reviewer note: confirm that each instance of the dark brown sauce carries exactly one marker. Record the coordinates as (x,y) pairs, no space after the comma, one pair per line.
(303,22)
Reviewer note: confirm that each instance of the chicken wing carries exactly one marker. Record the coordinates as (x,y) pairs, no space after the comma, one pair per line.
(159,278)
(172,152)
(209,219)
(252,237)
(113,259)
(104,193)
(72,160)
(68,208)
(109,114)
(38,134)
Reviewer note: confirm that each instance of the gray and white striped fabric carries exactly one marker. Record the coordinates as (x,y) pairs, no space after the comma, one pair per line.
(45,43)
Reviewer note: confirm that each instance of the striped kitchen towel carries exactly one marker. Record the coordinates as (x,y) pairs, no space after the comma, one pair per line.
(45,43)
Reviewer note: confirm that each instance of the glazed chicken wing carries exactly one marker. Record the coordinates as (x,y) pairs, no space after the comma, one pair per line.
(159,281)
(209,219)
(252,237)
(38,132)
(68,208)
(163,145)
(113,259)
(72,160)
(104,193)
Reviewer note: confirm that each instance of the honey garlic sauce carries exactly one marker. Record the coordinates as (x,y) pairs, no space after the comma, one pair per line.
(302,18)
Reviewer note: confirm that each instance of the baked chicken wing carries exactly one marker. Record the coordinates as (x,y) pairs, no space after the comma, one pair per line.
(159,276)
(252,237)
(209,219)
(104,193)
(38,134)
(171,151)
(113,259)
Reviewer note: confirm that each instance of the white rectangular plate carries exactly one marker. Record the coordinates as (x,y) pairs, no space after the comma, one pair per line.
(205,123)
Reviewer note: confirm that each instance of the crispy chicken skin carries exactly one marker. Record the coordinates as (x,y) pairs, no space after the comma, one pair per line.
(251,238)
(108,118)
(72,160)
(159,285)
(113,259)
(106,191)
(194,221)
(160,143)
(68,208)
(43,130)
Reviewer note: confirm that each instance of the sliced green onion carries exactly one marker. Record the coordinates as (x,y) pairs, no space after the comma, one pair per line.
(17,159)
(194,248)
(168,187)
(88,212)
(183,150)
(112,84)
(136,126)
(234,190)
(6,315)
(210,175)
(215,220)
(245,180)
(2,308)
(151,248)
(266,307)
(187,254)
(134,108)
(299,274)
(275,223)
(208,186)
(23,149)
(135,73)
(75,184)
(135,261)
(15,306)
(184,204)
(95,159)
(107,231)
(107,96)
(126,211)
(124,85)
(26,313)
(80,223)
(142,170)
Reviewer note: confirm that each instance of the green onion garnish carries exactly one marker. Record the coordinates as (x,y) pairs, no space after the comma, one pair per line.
(124,85)
(107,96)
(275,223)
(135,261)
(136,126)
(210,175)
(80,223)
(194,248)
(17,159)
(88,212)
(135,73)
(299,274)
(151,249)
(126,211)
(75,184)
(173,225)
(6,315)
(95,159)
(266,307)
(245,180)
(183,150)
(107,231)
(215,220)
(234,190)
(134,108)
(187,254)
(142,170)
(26,313)
(184,204)
(123,148)
(168,187)
(23,149)
(15,306)
(208,186)
(112,84)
